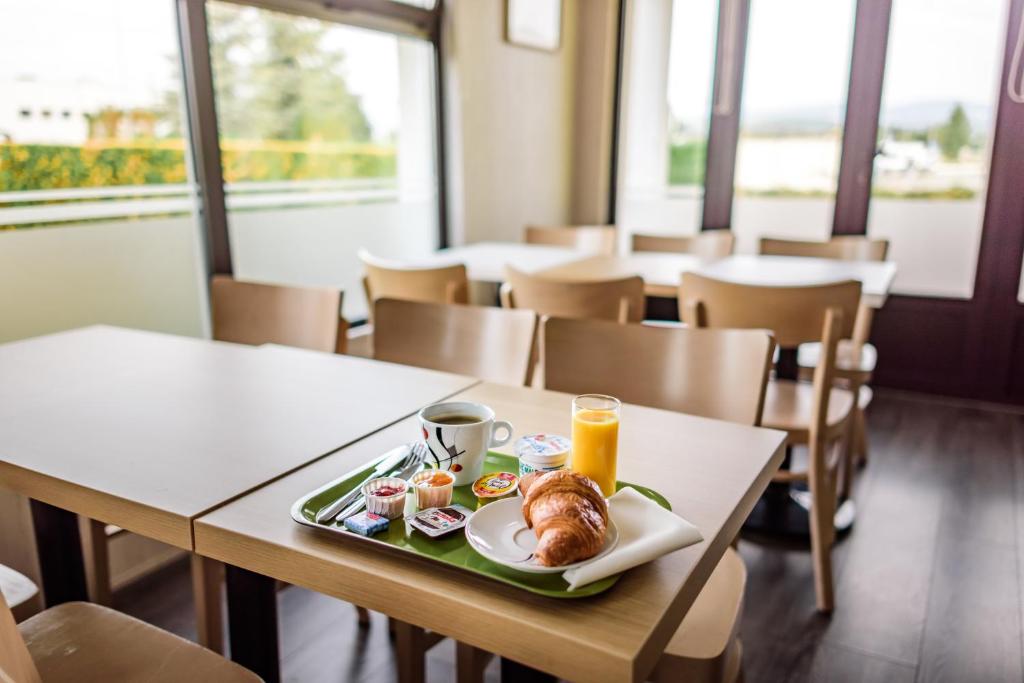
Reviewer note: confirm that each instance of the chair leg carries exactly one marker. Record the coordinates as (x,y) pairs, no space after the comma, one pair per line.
(95,552)
(363,615)
(848,455)
(470,663)
(861,431)
(207,592)
(410,651)
(822,517)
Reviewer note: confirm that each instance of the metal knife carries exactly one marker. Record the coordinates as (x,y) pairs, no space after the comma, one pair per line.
(388,462)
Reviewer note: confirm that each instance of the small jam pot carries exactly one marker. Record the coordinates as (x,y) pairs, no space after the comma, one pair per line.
(495,486)
(385,496)
(542,453)
(433,488)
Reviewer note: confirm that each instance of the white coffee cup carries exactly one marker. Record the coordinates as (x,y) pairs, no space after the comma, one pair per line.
(459,434)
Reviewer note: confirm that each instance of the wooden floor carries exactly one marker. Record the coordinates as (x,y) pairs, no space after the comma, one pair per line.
(928,582)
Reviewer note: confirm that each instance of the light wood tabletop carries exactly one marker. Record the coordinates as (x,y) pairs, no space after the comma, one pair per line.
(486,261)
(661,272)
(147,431)
(712,473)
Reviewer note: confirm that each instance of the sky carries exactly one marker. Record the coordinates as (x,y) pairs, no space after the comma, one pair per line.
(127,50)
(798,54)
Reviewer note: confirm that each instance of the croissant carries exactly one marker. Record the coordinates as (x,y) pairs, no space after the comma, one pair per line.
(569,515)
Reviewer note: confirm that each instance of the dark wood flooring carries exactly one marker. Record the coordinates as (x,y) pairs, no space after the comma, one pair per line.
(928,583)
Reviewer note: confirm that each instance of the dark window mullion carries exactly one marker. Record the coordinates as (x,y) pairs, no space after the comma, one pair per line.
(723,134)
(863,104)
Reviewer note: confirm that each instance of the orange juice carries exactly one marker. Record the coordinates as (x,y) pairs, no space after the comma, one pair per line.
(595,443)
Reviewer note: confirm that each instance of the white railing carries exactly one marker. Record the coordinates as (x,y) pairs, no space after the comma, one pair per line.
(40,207)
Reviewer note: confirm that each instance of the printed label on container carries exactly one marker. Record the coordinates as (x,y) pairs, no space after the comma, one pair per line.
(440,521)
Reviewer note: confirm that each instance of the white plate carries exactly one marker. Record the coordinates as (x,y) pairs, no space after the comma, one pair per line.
(498,531)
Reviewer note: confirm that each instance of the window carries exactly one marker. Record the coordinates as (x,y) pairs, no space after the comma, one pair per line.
(666,114)
(327,144)
(931,169)
(791,121)
(97,218)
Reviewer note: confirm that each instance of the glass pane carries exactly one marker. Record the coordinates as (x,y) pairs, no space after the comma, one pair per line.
(327,140)
(937,116)
(97,209)
(791,120)
(670,68)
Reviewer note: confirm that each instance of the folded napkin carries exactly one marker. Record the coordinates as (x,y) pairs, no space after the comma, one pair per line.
(646,532)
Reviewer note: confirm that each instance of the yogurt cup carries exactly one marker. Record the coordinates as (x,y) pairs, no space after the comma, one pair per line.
(390,505)
(542,453)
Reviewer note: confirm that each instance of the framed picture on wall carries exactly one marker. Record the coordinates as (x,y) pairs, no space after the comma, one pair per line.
(534,23)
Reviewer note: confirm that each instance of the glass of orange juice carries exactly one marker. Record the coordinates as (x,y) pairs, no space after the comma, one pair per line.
(595,438)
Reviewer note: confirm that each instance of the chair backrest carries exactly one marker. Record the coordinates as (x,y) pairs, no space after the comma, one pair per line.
(393,280)
(599,239)
(621,299)
(490,343)
(709,244)
(794,315)
(16,665)
(841,248)
(720,374)
(256,313)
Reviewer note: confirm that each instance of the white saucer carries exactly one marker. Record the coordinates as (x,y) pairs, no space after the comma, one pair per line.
(498,531)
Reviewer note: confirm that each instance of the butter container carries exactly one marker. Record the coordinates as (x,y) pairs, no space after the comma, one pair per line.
(495,486)
(542,453)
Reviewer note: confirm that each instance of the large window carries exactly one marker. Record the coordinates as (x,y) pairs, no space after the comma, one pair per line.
(327,144)
(666,114)
(97,220)
(928,193)
(791,123)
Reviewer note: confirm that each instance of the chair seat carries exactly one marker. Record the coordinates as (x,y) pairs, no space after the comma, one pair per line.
(788,406)
(864,396)
(808,355)
(80,641)
(705,646)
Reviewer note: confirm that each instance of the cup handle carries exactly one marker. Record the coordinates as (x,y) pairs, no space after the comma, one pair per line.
(500,424)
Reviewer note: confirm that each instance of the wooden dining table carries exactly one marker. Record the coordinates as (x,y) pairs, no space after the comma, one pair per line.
(711,472)
(150,431)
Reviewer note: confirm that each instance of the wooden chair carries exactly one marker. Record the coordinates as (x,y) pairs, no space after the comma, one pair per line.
(490,343)
(393,280)
(80,641)
(599,239)
(720,374)
(856,358)
(18,590)
(255,313)
(708,244)
(619,299)
(816,414)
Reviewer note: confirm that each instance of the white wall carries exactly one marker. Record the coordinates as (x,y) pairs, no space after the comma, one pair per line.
(141,273)
(510,120)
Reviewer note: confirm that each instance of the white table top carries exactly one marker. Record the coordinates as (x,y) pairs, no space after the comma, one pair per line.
(147,431)
(486,261)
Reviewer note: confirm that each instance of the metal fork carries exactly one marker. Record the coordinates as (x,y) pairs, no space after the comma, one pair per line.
(417,458)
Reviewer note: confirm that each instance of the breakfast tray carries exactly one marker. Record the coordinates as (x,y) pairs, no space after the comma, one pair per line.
(453,549)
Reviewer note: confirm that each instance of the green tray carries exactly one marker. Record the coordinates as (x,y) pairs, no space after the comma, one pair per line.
(454,549)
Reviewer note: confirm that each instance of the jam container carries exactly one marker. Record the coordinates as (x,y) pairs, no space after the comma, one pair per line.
(495,486)
(385,496)
(433,488)
(542,453)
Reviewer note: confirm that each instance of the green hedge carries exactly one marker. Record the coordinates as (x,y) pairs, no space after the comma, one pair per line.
(43,167)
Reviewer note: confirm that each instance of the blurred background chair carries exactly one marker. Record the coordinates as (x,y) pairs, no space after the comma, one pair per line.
(817,415)
(493,344)
(708,244)
(619,299)
(600,239)
(256,313)
(18,590)
(856,357)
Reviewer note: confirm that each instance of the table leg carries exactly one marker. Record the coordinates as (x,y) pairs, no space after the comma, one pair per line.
(514,672)
(252,622)
(207,592)
(59,547)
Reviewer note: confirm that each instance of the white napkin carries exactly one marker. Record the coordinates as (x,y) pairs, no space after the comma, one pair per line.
(646,532)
